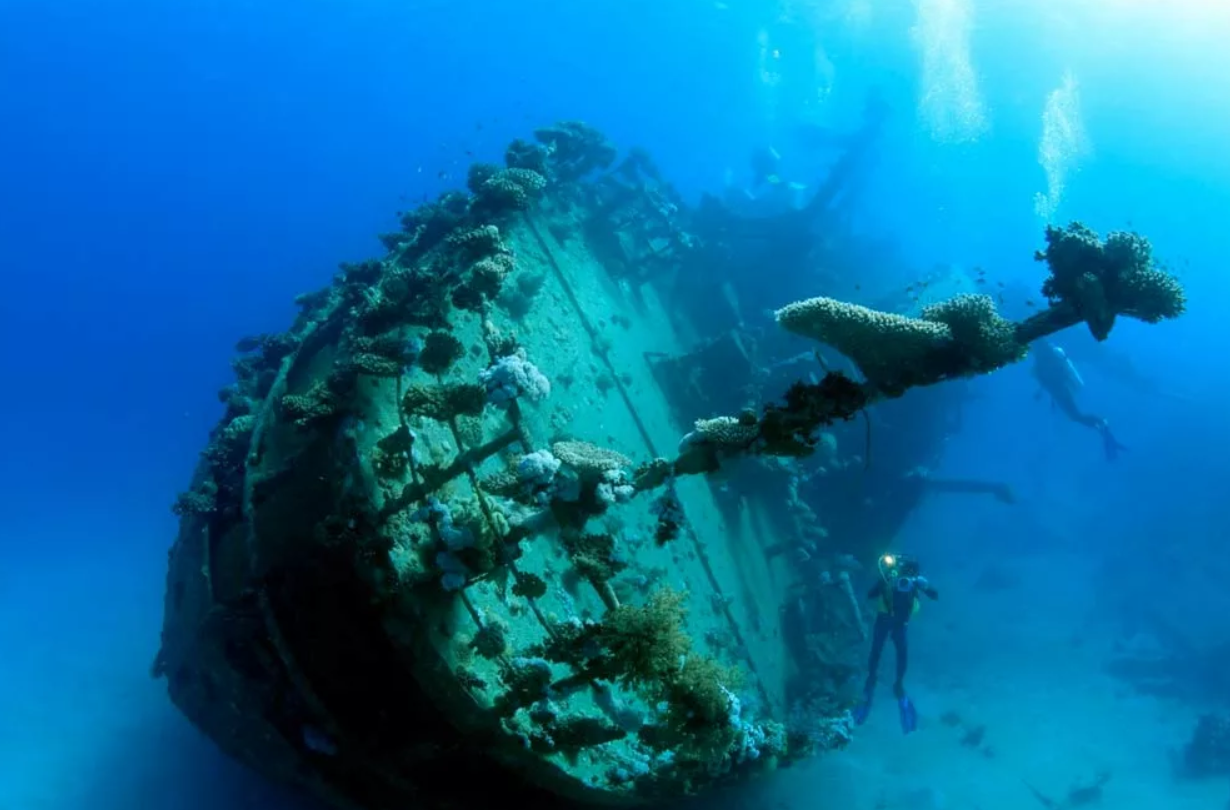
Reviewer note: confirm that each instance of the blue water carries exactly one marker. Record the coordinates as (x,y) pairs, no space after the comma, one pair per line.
(172,174)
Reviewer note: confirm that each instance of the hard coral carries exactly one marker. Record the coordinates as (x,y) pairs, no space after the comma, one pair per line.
(526,681)
(571,734)
(440,350)
(589,459)
(443,402)
(392,454)
(529,586)
(229,444)
(987,341)
(507,191)
(405,295)
(575,149)
(955,338)
(491,640)
(320,402)
(477,243)
(593,555)
(484,282)
(384,355)
(1101,280)
(430,223)
(883,345)
(723,431)
(522,154)
(479,173)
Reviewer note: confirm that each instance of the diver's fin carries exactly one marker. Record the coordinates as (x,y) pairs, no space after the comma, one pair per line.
(863,709)
(1043,799)
(909,715)
(1112,446)
(860,712)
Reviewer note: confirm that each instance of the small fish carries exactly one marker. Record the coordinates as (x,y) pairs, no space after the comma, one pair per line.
(1029,303)
(1000,283)
(980,281)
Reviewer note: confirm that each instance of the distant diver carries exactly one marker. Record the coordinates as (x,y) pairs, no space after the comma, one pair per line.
(774,206)
(1059,378)
(898,592)
(767,194)
(1118,367)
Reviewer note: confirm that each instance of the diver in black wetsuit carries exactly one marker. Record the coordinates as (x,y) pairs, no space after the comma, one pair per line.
(1059,378)
(897,593)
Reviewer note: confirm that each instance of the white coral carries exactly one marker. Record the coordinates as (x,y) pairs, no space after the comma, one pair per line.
(513,376)
(615,488)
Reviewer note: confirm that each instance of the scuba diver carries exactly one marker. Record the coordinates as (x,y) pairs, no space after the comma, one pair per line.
(766,194)
(1059,378)
(898,591)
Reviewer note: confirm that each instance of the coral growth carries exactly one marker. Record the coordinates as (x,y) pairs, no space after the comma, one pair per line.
(393,453)
(575,149)
(987,341)
(590,481)
(881,344)
(956,338)
(724,431)
(639,645)
(500,192)
(440,350)
(443,402)
(468,542)
(320,402)
(594,556)
(384,355)
(474,244)
(1100,280)
(526,680)
(699,718)
(514,376)
(668,510)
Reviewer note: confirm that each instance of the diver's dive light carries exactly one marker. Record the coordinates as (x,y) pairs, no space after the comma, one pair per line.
(887,564)
(888,570)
